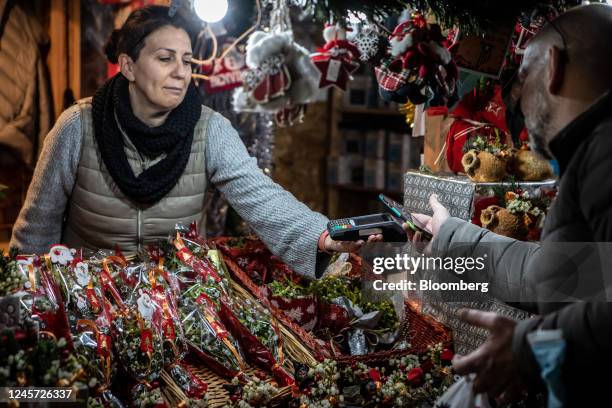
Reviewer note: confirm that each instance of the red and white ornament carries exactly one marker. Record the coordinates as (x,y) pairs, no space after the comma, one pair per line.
(337,59)
(419,65)
(280,77)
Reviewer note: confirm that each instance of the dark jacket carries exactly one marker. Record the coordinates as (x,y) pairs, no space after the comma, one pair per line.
(581,212)
(25,100)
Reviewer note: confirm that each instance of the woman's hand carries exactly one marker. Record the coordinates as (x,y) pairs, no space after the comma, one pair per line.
(330,245)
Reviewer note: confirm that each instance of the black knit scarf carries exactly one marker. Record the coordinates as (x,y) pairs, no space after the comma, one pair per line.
(174,138)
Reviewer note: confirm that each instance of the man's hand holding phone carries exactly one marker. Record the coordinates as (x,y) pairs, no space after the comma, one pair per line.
(430,224)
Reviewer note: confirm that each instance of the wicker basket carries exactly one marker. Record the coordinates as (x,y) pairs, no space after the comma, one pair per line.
(417,329)
(217,395)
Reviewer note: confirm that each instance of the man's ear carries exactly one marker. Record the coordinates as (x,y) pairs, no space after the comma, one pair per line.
(126,66)
(556,69)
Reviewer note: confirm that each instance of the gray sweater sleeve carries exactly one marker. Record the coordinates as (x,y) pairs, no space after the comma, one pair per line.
(508,271)
(288,227)
(39,224)
(509,260)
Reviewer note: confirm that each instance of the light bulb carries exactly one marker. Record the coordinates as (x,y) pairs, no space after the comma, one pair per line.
(210,11)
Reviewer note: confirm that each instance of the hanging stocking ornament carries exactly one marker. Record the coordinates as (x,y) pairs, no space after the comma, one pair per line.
(337,60)
(280,78)
(419,67)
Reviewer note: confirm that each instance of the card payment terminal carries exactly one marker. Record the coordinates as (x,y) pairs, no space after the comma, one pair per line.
(356,228)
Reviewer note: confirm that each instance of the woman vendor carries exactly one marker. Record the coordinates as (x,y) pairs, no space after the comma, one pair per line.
(124,167)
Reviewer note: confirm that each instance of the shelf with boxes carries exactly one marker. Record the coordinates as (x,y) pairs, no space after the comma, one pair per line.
(370,149)
(373,158)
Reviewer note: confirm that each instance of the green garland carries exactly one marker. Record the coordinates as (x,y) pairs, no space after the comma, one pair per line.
(469,15)
(339,9)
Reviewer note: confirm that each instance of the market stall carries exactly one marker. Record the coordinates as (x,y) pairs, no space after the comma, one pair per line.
(410,100)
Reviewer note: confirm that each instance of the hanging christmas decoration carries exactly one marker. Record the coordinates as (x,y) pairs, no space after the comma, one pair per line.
(408,109)
(223,74)
(419,67)
(281,76)
(372,45)
(336,60)
(527,26)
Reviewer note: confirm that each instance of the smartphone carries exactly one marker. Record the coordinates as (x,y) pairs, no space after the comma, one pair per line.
(399,211)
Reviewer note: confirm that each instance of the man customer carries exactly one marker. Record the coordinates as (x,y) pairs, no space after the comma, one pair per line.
(566,98)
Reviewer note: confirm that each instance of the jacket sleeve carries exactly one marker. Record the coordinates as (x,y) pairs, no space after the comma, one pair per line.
(595,196)
(507,260)
(288,227)
(40,220)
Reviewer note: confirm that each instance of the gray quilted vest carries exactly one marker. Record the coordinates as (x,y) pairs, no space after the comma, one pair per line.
(100,216)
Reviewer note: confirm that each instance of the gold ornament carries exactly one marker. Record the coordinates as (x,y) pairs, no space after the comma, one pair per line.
(408,109)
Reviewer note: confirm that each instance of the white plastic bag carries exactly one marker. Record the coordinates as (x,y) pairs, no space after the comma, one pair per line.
(461,395)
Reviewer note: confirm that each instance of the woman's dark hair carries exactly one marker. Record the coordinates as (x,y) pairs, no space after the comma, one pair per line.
(130,38)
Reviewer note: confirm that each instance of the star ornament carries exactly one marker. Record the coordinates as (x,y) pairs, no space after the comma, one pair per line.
(493,108)
(335,70)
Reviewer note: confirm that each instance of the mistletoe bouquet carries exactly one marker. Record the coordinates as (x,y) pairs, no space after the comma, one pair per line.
(82,292)
(152,279)
(196,266)
(261,324)
(189,382)
(93,348)
(146,396)
(11,278)
(333,287)
(410,381)
(47,363)
(210,339)
(139,339)
(254,393)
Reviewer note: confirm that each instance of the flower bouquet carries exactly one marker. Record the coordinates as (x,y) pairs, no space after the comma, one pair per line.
(209,339)
(82,292)
(194,259)
(93,349)
(147,396)
(138,338)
